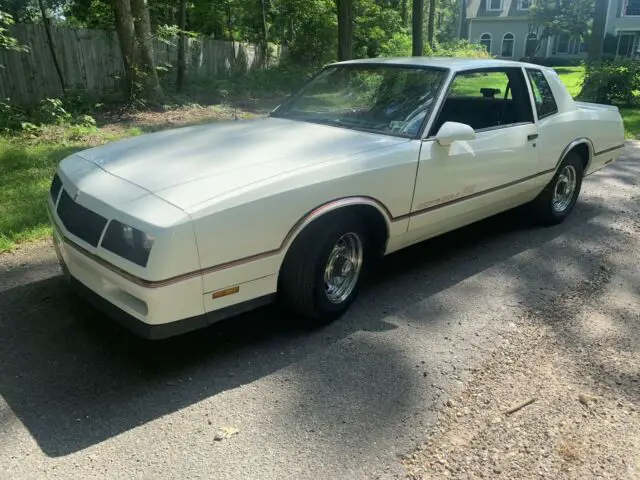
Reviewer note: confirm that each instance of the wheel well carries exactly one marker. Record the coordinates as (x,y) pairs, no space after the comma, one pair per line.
(374,220)
(582,149)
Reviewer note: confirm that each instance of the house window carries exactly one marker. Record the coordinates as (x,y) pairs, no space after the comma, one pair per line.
(494,5)
(625,44)
(485,39)
(524,4)
(531,45)
(562,46)
(631,8)
(507,45)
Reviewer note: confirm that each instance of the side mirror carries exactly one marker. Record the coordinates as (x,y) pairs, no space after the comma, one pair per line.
(453,131)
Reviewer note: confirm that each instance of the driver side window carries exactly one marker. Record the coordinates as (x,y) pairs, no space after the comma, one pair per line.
(486,99)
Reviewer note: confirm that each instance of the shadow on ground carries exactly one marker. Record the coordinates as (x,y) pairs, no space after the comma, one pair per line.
(74,379)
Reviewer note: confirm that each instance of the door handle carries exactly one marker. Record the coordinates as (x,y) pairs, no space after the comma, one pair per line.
(533,136)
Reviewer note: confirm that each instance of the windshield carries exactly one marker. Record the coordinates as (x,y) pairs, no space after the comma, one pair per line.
(384,99)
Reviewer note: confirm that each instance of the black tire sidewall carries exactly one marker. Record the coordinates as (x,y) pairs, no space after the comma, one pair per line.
(576,162)
(325,308)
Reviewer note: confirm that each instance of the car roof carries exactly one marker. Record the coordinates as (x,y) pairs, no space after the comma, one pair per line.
(451,63)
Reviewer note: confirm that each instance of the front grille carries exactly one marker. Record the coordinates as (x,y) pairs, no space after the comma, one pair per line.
(56,184)
(80,221)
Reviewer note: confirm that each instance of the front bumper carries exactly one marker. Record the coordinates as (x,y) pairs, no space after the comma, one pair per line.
(152,313)
(109,293)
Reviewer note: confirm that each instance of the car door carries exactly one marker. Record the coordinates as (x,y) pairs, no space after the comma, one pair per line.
(469,180)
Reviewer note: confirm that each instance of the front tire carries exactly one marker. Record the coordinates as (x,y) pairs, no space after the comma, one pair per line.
(557,200)
(323,269)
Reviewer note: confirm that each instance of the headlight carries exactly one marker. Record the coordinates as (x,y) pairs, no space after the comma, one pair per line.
(128,242)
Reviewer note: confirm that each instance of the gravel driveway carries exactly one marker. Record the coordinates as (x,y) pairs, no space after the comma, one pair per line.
(255,398)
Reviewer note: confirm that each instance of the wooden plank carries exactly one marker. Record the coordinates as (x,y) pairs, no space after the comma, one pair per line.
(91,60)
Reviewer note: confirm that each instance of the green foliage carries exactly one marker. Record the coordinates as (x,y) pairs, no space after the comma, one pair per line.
(168,34)
(309,31)
(376,24)
(447,20)
(50,111)
(7,42)
(458,48)
(11,116)
(21,10)
(552,17)
(399,45)
(615,81)
(97,14)
(554,61)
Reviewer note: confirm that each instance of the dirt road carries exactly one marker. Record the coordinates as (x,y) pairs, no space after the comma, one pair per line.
(481,319)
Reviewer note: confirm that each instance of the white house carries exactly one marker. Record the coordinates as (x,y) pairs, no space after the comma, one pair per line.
(505,27)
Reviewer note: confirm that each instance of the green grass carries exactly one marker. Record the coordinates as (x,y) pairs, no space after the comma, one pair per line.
(572,78)
(26,168)
(25,175)
(631,118)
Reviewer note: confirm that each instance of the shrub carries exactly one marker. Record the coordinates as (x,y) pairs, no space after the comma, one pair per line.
(554,61)
(458,48)
(11,116)
(32,120)
(615,81)
(399,45)
(51,111)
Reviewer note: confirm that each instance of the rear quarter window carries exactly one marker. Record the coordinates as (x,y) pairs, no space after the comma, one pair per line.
(542,94)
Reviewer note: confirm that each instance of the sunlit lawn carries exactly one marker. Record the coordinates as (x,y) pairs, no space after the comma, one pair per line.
(26,168)
(572,78)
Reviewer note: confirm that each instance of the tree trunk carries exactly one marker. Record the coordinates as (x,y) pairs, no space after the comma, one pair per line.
(142,24)
(264,43)
(417,34)
(596,39)
(265,28)
(127,39)
(181,81)
(404,13)
(229,20)
(346,14)
(462,20)
(431,27)
(52,48)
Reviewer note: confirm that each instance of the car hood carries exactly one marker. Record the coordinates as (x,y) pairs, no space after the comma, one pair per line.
(190,165)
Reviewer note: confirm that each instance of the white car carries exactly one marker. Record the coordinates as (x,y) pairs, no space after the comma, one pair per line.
(172,231)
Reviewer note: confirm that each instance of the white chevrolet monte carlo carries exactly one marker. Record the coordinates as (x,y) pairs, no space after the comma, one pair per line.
(172,231)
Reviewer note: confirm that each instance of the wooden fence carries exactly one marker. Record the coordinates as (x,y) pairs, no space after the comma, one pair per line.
(91,60)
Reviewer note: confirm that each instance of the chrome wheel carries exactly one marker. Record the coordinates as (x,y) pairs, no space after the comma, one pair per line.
(343,268)
(564,189)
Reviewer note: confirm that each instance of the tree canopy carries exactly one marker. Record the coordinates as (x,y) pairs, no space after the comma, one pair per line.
(553,17)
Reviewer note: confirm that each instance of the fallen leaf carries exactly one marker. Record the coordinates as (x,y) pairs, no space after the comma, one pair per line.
(225,432)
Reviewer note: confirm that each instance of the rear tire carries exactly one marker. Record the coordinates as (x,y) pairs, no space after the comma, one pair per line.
(559,197)
(323,269)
